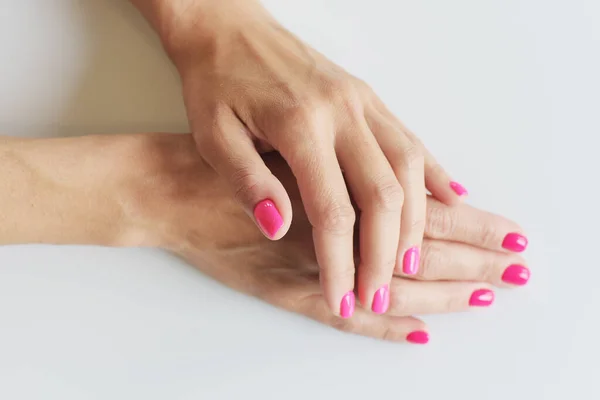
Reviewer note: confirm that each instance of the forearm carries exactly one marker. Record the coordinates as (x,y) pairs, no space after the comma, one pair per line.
(60,191)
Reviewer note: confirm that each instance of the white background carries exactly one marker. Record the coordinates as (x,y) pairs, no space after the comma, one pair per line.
(506,93)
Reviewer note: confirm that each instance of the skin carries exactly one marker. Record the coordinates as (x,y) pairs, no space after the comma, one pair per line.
(154,190)
(251,86)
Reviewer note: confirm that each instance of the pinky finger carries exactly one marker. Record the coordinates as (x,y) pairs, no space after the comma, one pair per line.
(437,180)
(439,183)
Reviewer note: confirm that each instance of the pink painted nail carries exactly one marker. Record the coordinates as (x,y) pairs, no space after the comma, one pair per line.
(347,305)
(515,242)
(516,274)
(410,263)
(481,298)
(381,300)
(268,217)
(458,189)
(418,337)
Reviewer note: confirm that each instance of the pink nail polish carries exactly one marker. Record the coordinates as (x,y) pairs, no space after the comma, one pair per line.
(381,300)
(410,263)
(516,275)
(458,189)
(515,242)
(418,337)
(481,298)
(268,217)
(347,305)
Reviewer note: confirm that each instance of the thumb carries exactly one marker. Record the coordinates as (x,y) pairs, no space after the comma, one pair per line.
(228,148)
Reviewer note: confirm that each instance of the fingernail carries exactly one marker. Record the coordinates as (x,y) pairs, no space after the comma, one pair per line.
(410,263)
(458,189)
(516,275)
(268,217)
(481,298)
(418,337)
(515,242)
(347,305)
(381,300)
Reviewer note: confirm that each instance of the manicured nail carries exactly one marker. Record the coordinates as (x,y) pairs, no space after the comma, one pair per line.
(268,218)
(481,298)
(418,337)
(347,305)
(516,275)
(458,189)
(381,300)
(515,242)
(410,263)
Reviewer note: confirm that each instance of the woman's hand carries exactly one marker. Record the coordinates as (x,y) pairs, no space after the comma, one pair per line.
(179,203)
(155,190)
(252,86)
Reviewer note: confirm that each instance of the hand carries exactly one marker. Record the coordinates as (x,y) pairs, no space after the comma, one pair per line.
(251,86)
(182,205)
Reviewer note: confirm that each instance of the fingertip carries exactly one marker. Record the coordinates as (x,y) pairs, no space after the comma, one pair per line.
(410,261)
(338,291)
(413,330)
(450,193)
(459,189)
(347,305)
(381,300)
(271,208)
(418,337)
(269,219)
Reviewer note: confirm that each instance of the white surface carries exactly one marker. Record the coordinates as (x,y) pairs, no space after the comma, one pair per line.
(505,93)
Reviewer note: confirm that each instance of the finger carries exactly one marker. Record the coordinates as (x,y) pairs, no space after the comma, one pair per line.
(469,225)
(410,297)
(379,198)
(407,161)
(327,203)
(229,150)
(437,180)
(365,323)
(451,261)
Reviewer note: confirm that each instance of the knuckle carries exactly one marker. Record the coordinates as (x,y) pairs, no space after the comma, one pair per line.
(245,183)
(432,259)
(412,158)
(390,334)
(440,222)
(337,218)
(342,94)
(388,197)
(303,115)
(488,234)
(308,108)
(338,87)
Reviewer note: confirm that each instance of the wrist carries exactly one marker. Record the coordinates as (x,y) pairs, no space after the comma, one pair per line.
(175,201)
(168,193)
(192,28)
